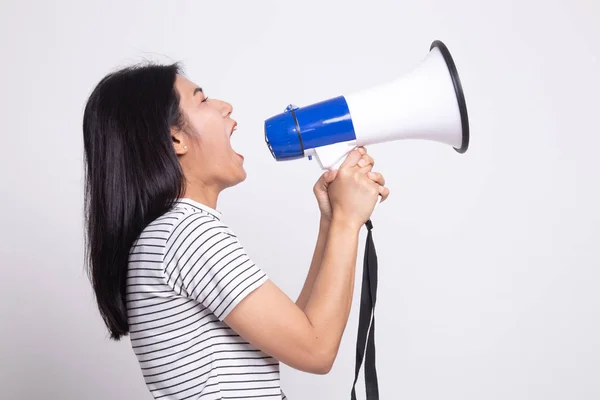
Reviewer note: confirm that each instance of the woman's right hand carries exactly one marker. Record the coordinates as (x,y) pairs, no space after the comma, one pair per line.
(353,193)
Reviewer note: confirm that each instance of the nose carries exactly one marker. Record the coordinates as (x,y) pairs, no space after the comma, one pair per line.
(225,108)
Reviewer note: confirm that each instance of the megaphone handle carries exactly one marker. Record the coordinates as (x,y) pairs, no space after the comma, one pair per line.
(332,156)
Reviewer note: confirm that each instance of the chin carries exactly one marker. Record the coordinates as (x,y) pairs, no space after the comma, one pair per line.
(241,178)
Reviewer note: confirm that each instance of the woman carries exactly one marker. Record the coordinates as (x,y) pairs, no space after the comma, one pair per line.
(204,321)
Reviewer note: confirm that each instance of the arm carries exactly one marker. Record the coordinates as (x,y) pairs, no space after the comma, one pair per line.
(315,265)
(306,340)
(306,336)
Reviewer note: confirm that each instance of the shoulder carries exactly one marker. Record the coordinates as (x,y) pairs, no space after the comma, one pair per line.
(204,260)
(184,227)
(192,226)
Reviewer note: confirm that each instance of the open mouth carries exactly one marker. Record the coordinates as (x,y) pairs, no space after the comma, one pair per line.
(233,129)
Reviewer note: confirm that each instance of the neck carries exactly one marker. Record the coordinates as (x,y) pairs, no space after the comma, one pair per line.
(203,194)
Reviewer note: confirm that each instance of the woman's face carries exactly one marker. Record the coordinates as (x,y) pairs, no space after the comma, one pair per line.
(206,154)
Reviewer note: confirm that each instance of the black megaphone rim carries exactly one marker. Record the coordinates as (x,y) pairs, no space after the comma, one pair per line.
(462,104)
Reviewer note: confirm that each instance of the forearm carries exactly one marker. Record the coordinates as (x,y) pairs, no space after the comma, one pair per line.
(330,300)
(315,264)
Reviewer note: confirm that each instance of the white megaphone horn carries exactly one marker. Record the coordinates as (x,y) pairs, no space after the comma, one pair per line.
(428,103)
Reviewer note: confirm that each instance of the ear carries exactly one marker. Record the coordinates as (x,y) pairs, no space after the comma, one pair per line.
(179,142)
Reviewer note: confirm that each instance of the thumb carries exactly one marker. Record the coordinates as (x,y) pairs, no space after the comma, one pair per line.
(330,175)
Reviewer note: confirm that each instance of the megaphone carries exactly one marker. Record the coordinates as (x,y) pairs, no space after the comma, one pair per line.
(427,103)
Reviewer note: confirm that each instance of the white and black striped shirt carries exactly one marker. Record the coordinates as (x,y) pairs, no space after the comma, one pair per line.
(187,271)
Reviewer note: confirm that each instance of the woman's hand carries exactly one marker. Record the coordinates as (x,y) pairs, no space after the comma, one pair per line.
(354,193)
(320,191)
(321,186)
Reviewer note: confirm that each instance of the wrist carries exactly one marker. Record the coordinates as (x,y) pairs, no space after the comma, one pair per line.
(345,222)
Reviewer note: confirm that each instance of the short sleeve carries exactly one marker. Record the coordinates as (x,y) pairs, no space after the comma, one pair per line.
(205,261)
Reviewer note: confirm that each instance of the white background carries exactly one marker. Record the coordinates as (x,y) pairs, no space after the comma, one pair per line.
(489,261)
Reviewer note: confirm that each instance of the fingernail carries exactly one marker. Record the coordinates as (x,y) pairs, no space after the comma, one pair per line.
(362,163)
(371,175)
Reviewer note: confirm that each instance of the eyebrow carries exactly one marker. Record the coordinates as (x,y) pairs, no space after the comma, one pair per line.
(198,89)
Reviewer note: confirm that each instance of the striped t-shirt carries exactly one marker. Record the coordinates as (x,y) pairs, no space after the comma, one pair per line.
(187,271)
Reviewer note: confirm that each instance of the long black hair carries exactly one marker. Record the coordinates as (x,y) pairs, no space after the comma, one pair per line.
(132,174)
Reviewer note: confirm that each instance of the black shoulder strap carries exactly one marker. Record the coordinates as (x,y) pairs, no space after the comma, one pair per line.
(366,318)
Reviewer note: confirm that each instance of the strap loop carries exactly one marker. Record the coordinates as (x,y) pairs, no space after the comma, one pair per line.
(367,320)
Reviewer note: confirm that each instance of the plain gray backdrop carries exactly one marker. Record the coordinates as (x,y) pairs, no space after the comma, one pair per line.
(489,261)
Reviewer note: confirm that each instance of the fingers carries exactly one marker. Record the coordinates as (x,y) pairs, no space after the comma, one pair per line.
(377,178)
(366,162)
(359,157)
(353,158)
(384,193)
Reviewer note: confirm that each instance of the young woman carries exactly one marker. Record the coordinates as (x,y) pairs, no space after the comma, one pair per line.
(204,321)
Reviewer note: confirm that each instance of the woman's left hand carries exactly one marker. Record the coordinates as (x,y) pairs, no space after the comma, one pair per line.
(320,191)
(320,188)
